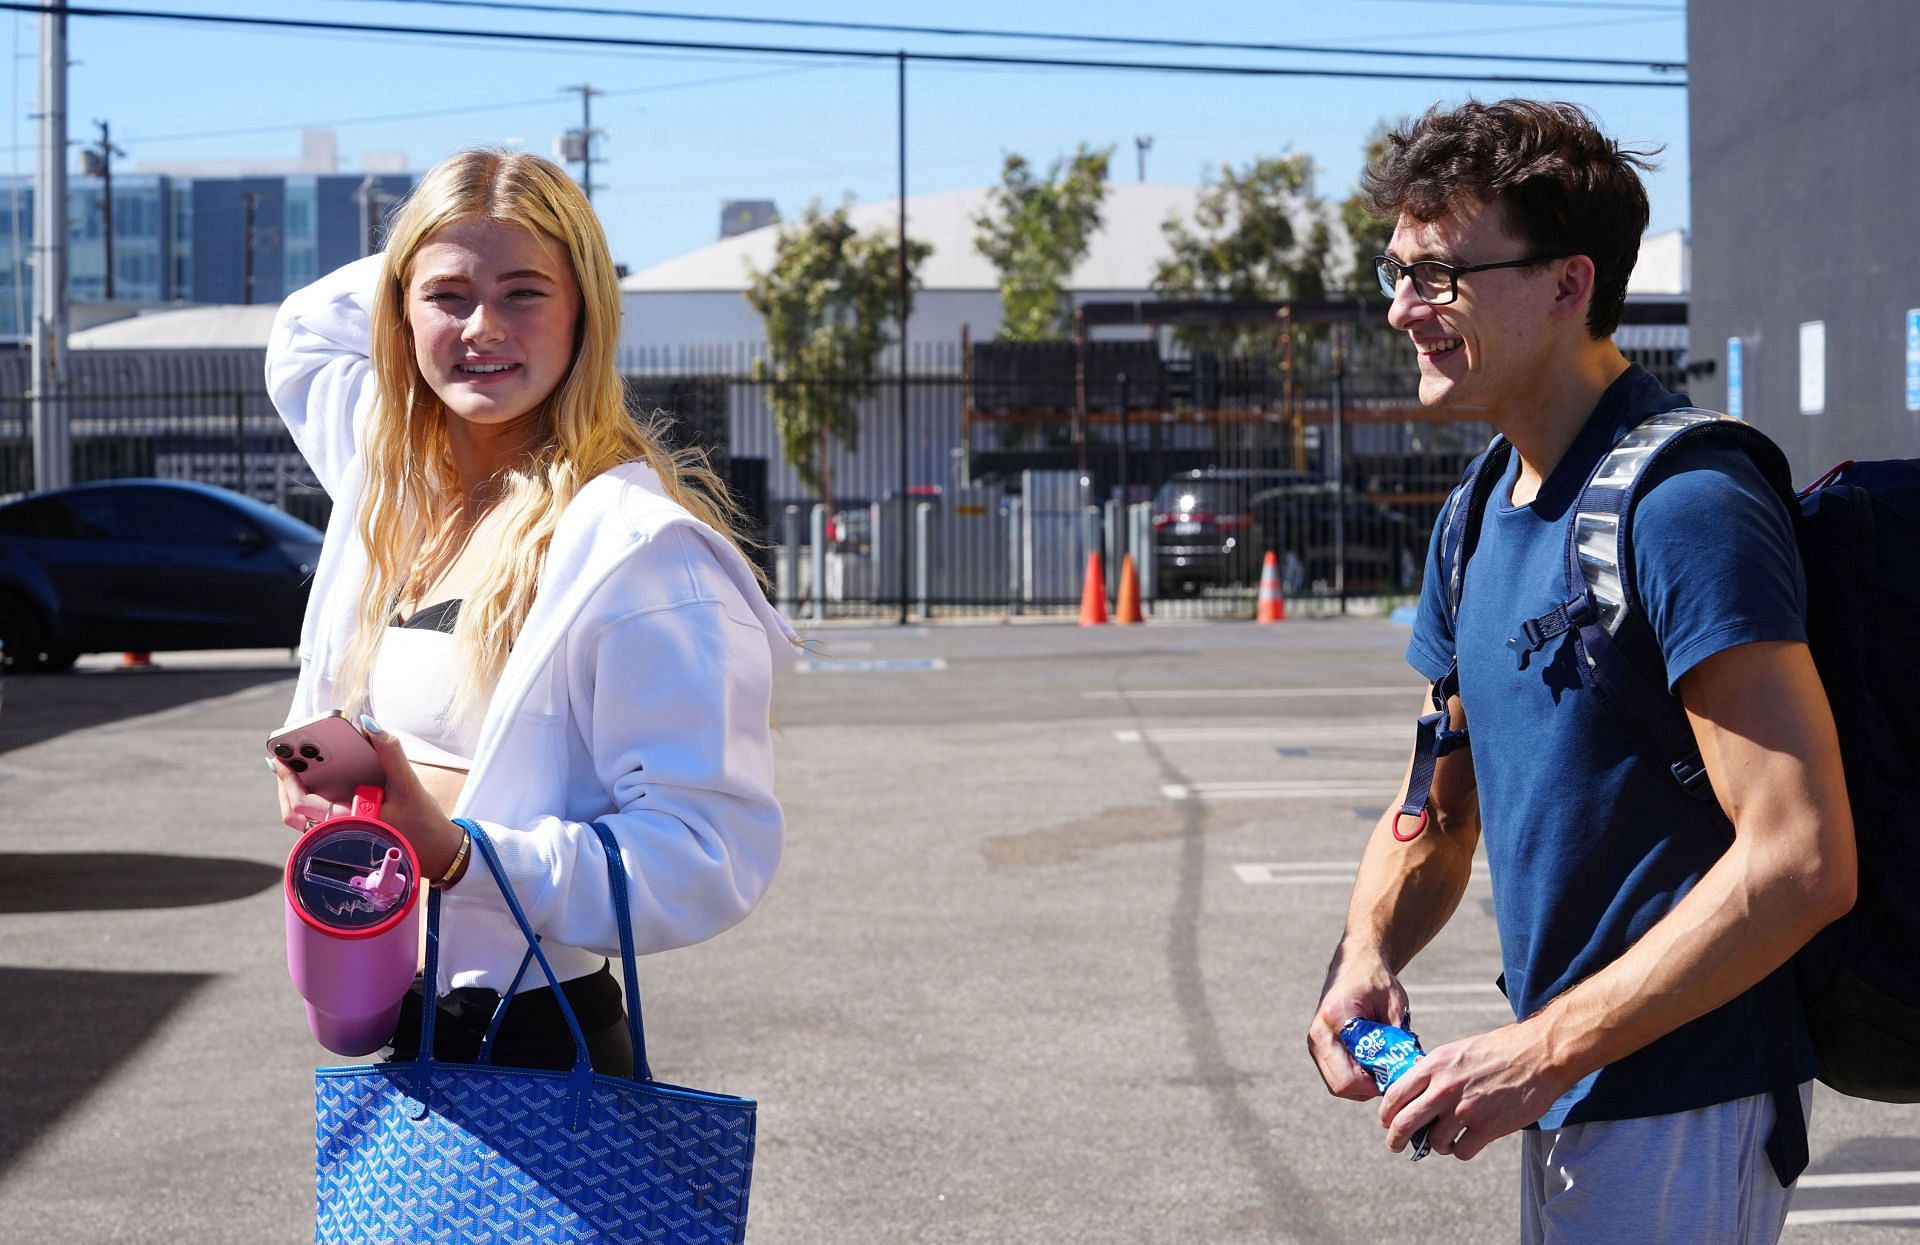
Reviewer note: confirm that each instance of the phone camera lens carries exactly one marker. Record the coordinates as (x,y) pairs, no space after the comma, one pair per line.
(282,751)
(310,752)
(297,765)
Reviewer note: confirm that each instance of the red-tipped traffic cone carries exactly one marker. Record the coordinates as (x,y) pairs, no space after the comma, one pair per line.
(1273,603)
(1093,594)
(1126,609)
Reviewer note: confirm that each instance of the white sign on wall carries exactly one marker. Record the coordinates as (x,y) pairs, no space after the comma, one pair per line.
(1913,359)
(1813,367)
(1736,380)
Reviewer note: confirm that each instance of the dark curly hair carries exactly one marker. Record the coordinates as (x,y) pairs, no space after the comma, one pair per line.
(1567,189)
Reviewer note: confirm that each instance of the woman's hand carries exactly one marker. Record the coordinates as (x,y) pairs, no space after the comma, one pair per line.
(406,805)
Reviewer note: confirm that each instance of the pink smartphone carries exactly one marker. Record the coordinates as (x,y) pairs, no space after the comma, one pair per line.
(329,755)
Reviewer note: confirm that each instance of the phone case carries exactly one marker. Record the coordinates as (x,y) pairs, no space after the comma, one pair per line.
(329,755)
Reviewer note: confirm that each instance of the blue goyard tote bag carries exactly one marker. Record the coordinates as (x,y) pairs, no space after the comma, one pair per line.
(428,1151)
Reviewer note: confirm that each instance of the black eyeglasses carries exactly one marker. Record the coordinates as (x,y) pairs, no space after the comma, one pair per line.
(1436,283)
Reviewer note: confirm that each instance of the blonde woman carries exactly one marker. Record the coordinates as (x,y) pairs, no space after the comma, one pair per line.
(540,614)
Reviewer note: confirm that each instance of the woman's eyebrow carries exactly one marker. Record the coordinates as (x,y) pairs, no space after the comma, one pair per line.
(519,273)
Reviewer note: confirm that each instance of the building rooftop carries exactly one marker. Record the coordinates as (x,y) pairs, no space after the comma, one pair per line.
(182,328)
(1121,256)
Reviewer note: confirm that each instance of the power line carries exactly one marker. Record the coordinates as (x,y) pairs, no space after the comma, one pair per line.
(1049,62)
(1141,41)
(430,113)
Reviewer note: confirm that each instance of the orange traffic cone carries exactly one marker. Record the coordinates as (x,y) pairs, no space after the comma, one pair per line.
(1127,608)
(1093,594)
(1273,603)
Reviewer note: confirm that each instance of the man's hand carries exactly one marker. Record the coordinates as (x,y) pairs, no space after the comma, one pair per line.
(1362,986)
(1474,1091)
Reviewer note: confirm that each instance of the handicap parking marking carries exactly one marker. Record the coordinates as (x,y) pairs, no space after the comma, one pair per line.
(1281,789)
(885,665)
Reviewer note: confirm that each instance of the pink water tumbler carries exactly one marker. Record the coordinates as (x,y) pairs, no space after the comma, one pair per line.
(353,926)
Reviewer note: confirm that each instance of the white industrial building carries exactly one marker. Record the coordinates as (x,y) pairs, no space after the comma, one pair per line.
(699,299)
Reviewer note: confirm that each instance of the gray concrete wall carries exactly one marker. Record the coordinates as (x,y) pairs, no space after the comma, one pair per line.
(1806,173)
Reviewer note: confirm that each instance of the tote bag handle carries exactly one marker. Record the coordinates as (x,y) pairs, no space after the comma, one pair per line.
(617,885)
(580,1078)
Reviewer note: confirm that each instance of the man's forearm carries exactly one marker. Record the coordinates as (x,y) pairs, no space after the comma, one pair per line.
(1404,893)
(1752,910)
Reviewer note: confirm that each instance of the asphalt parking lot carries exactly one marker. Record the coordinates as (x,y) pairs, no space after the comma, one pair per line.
(1055,910)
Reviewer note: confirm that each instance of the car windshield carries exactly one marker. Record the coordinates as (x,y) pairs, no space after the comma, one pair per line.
(279,524)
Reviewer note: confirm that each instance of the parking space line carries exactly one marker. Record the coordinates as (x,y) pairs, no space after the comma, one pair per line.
(1384,732)
(1857,1180)
(893,665)
(1311,872)
(1495,1004)
(1283,789)
(1249,693)
(1853,1214)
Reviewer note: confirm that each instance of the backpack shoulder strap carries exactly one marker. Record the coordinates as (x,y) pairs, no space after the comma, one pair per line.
(1459,526)
(1619,657)
(1460,519)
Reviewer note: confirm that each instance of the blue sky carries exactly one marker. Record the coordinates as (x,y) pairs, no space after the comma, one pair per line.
(687,130)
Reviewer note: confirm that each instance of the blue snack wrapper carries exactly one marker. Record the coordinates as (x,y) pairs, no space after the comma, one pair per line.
(1386,1051)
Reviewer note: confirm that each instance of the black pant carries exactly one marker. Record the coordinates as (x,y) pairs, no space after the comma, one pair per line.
(533,1034)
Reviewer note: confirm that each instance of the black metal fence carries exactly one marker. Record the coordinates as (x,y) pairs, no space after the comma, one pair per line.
(980,479)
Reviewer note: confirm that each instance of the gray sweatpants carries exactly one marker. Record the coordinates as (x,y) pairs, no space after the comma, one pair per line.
(1694,1176)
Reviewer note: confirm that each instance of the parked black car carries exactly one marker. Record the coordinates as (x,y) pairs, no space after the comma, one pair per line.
(1381,548)
(146,566)
(1203,527)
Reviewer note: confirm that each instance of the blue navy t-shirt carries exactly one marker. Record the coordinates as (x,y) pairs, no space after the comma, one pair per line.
(1589,842)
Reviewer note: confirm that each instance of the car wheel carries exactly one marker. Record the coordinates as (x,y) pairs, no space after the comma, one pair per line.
(28,649)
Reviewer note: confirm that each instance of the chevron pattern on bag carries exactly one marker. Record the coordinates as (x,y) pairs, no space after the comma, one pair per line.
(495,1162)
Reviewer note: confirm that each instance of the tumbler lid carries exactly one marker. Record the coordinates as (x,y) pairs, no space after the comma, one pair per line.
(351,875)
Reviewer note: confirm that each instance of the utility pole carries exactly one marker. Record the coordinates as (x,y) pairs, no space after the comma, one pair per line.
(1142,143)
(576,146)
(97,162)
(251,202)
(52,456)
(373,207)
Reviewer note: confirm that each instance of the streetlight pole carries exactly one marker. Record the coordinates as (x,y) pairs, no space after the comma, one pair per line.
(904,295)
(52,456)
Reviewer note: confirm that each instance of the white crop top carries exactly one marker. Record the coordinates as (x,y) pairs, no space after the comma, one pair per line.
(412,686)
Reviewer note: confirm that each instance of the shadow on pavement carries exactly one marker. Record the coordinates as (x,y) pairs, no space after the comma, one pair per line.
(70,1030)
(43,706)
(118,881)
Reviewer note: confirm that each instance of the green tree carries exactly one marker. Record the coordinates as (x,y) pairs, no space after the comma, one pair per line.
(1262,235)
(1035,230)
(1367,232)
(827,302)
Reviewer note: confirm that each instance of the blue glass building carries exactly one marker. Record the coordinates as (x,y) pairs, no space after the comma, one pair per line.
(181,239)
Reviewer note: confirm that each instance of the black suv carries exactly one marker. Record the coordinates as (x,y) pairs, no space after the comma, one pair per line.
(1204,527)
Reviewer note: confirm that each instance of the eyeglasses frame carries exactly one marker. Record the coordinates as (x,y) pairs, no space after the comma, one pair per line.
(1454,273)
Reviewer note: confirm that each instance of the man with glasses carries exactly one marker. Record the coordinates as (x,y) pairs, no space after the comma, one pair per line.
(1636,922)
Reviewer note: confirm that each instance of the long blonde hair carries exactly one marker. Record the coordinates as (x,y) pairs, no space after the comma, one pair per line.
(412,494)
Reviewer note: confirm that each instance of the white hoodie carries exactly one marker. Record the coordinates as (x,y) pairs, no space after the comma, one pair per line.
(637,694)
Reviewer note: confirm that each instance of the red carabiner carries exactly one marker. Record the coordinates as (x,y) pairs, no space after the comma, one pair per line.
(1418,826)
